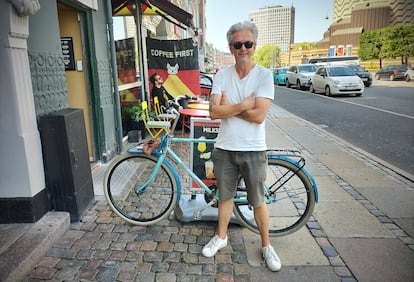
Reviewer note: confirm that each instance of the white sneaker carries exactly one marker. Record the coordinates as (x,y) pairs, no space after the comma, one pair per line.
(271,258)
(215,244)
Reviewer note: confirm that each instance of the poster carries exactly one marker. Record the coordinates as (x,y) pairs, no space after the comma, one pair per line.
(200,153)
(127,73)
(67,52)
(176,61)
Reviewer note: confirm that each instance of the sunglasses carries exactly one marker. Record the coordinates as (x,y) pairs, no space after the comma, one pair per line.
(238,44)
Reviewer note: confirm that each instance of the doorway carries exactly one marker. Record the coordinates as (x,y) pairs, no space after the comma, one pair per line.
(79,96)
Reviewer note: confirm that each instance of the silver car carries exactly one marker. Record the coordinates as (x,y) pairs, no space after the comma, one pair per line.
(336,80)
(300,75)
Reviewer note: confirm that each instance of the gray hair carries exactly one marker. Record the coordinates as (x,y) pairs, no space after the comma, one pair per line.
(242,26)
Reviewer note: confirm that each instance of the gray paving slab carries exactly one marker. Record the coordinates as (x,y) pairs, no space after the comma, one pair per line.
(363,177)
(329,190)
(276,139)
(299,248)
(340,160)
(406,224)
(377,259)
(294,274)
(307,138)
(21,256)
(349,219)
(10,232)
(401,206)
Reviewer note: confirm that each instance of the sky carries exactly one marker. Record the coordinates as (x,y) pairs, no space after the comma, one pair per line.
(310,22)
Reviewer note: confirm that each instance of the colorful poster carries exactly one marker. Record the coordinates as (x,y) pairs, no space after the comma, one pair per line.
(127,73)
(176,61)
(200,153)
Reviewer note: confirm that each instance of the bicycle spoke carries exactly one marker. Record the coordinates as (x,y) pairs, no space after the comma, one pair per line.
(290,199)
(132,201)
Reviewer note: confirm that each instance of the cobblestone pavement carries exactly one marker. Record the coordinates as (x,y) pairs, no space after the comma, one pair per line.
(102,247)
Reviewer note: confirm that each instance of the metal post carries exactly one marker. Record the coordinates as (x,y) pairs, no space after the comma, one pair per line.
(117,104)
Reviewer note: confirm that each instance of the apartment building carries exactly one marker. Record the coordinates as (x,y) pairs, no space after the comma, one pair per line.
(276,25)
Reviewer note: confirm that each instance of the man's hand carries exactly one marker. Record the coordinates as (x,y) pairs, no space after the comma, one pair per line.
(249,103)
(223,100)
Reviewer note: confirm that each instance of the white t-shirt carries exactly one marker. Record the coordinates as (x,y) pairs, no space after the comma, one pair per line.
(236,134)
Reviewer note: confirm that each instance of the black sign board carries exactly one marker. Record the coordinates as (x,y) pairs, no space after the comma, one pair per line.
(200,153)
(67,52)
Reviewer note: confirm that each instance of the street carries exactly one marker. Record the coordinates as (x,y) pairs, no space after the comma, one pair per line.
(381,121)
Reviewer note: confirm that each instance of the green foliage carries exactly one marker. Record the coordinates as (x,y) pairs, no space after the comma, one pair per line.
(389,42)
(135,112)
(304,46)
(398,41)
(267,56)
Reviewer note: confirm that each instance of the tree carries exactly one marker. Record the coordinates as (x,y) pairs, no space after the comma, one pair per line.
(398,41)
(389,42)
(370,45)
(267,56)
(304,46)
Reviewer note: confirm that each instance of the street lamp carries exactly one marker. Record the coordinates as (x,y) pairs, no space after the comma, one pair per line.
(289,53)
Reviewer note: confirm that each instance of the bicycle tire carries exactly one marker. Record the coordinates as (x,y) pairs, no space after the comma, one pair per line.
(291,205)
(125,175)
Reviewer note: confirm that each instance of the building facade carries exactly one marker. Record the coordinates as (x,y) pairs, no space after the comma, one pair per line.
(351,19)
(276,25)
(59,56)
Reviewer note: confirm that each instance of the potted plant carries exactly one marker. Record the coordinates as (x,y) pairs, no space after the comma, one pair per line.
(132,121)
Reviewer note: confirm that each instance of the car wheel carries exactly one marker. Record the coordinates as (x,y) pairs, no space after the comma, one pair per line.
(407,78)
(298,85)
(368,84)
(377,77)
(327,91)
(287,83)
(311,89)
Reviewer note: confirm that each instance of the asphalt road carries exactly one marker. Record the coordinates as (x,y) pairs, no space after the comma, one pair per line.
(380,122)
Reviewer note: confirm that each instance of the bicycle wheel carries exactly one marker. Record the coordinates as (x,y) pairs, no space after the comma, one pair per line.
(124,189)
(291,199)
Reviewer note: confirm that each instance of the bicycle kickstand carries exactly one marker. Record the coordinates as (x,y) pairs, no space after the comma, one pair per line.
(198,213)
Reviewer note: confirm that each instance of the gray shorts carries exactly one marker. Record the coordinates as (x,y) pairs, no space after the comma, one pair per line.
(251,165)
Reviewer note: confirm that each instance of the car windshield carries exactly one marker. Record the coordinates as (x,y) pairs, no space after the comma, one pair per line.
(401,68)
(281,70)
(345,71)
(357,68)
(310,68)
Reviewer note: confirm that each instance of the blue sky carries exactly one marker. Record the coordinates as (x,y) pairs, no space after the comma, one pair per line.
(310,22)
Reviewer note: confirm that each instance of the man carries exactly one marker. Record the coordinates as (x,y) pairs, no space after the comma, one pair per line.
(159,91)
(241,97)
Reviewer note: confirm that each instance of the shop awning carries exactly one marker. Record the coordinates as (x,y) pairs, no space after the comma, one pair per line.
(164,8)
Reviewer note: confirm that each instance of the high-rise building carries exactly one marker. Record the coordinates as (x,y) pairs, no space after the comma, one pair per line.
(401,10)
(276,25)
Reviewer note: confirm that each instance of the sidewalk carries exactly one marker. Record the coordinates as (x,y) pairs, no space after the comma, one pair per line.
(362,228)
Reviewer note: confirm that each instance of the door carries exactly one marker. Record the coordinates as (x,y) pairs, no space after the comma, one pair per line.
(76,77)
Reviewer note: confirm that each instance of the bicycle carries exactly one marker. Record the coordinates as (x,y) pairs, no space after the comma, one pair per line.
(144,189)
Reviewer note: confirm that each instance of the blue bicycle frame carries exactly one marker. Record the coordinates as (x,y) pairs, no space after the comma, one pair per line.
(163,150)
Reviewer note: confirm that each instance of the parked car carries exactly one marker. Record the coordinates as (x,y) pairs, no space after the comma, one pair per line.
(336,80)
(363,74)
(279,75)
(392,72)
(409,74)
(300,75)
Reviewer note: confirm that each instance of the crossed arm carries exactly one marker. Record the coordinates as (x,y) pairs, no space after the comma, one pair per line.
(250,109)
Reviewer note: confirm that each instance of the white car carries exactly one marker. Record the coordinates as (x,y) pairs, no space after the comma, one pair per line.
(300,75)
(336,80)
(409,75)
